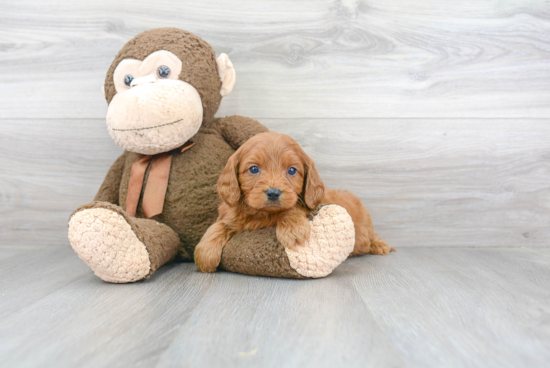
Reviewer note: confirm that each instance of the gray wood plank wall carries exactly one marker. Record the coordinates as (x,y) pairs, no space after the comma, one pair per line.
(436,113)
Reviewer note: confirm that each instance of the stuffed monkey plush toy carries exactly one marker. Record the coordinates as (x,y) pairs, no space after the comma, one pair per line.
(159,197)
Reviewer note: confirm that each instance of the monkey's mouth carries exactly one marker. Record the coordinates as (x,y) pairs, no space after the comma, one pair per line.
(153,139)
(146,128)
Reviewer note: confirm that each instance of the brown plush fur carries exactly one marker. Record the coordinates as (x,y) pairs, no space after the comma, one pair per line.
(191,201)
(246,205)
(199,62)
(243,255)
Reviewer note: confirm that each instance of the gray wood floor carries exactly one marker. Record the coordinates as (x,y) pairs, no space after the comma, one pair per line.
(419,307)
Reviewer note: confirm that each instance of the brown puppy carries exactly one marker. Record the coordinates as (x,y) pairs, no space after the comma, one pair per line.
(271,181)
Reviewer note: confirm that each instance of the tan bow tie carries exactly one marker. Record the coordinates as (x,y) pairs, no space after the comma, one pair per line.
(157,182)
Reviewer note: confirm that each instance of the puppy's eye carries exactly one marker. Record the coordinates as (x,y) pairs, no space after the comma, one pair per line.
(128,80)
(163,71)
(254,170)
(292,171)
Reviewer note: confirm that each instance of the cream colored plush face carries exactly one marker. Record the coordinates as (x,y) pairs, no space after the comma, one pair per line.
(156,112)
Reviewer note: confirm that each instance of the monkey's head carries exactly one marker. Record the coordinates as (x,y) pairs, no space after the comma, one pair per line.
(160,88)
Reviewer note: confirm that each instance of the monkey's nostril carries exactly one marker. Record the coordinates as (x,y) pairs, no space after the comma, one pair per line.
(273,194)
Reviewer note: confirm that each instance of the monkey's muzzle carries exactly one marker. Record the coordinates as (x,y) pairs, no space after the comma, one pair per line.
(151,118)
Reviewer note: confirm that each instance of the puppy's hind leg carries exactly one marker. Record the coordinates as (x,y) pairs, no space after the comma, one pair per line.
(378,246)
(367,241)
(208,252)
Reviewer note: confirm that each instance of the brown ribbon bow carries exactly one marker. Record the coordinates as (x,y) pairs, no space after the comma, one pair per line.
(157,182)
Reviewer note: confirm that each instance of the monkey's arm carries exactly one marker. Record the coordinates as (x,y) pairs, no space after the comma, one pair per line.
(238,129)
(109,190)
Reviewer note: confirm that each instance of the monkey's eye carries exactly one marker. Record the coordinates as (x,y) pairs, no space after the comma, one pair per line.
(254,170)
(163,71)
(128,80)
(292,171)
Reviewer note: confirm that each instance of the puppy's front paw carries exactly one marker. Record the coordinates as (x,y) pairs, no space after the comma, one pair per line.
(292,237)
(207,257)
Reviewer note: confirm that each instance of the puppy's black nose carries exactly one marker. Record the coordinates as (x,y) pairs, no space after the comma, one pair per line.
(273,194)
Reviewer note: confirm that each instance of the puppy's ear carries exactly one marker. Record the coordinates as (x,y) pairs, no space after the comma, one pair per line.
(228,183)
(314,188)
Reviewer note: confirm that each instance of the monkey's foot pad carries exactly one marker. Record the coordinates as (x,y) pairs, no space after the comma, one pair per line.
(331,241)
(105,241)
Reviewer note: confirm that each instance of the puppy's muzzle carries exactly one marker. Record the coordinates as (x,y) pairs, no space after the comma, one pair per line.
(273,194)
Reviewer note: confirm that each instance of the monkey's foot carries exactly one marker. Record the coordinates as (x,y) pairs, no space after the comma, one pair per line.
(259,252)
(117,247)
(105,241)
(331,241)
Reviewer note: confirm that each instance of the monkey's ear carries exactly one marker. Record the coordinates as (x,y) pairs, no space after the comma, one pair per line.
(103,90)
(227,74)
(228,183)
(314,188)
